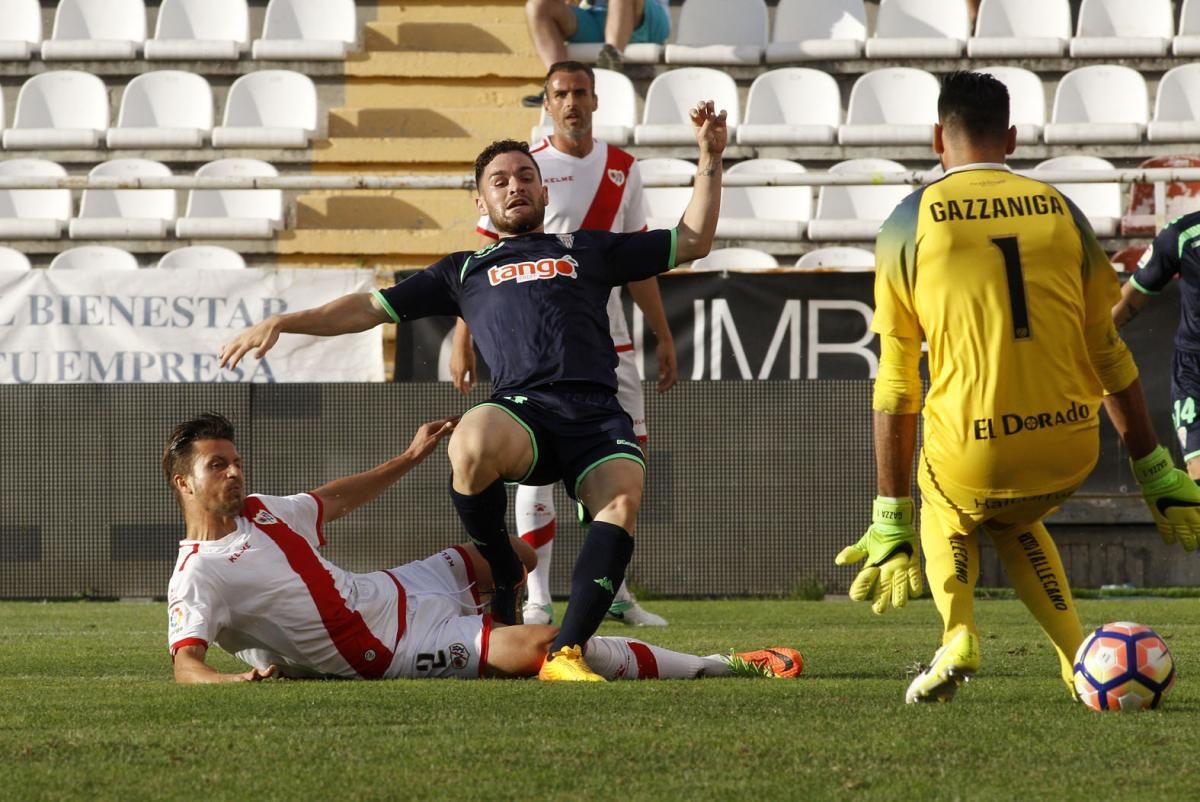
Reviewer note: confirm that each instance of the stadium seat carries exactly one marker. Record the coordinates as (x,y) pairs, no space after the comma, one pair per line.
(665,204)
(1021,29)
(1187,42)
(1177,106)
(269,109)
(1122,29)
(772,213)
(919,29)
(735,259)
(232,213)
(843,258)
(893,106)
(1182,197)
(792,106)
(202,257)
(90,30)
(308,30)
(60,109)
(856,212)
(94,257)
(670,96)
(33,213)
(164,109)
(739,38)
(616,115)
(1026,100)
(1101,103)
(125,213)
(21,35)
(817,29)
(1100,202)
(11,259)
(200,29)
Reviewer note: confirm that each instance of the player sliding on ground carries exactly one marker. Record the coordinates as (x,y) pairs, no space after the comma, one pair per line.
(537,306)
(1004,279)
(249,577)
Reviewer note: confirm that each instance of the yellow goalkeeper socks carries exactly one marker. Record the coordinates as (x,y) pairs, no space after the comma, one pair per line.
(952,568)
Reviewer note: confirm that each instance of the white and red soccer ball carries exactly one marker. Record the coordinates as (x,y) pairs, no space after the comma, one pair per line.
(1123,666)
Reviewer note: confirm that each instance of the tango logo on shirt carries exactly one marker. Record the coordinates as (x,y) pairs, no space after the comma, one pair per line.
(533,271)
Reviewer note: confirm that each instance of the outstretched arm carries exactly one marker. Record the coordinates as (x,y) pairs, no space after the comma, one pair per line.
(190,668)
(342,496)
(698,226)
(1132,301)
(350,313)
(646,295)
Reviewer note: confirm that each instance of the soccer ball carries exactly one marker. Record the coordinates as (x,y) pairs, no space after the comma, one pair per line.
(1123,666)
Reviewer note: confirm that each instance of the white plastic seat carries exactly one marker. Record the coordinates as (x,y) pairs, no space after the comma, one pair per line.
(60,109)
(232,213)
(88,30)
(735,259)
(856,212)
(1121,28)
(842,258)
(1021,29)
(268,109)
(200,29)
(893,106)
(665,204)
(164,109)
(33,213)
(21,34)
(202,257)
(1026,100)
(125,213)
(1187,42)
(308,30)
(817,29)
(1101,203)
(615,116)
(774,213)
(919,29)
(791,106)
(1177,106)
(1100,103)
(665,117)
(94,257)
(739,38)
(11,259)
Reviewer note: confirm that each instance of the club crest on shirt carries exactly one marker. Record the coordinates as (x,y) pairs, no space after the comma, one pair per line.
(264,518)
(566,240)
(617,177)
(533,271)
(459,655)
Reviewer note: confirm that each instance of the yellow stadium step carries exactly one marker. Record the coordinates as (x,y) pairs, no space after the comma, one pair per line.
(430,244)
(487,12)
(419,134)
(446,65)
(448,37)
(413,209)
(406,93)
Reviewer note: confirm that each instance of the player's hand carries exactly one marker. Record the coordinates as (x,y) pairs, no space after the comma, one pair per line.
(462,364)
(428,436)
(668,367)
(893,570)
(261,336)
(259,674)
(711,132)
(1172,496)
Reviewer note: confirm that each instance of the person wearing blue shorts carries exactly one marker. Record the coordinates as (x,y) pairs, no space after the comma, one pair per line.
(615,23)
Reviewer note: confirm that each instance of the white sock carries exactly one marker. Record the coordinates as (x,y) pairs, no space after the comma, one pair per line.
(625,658)
(535,525)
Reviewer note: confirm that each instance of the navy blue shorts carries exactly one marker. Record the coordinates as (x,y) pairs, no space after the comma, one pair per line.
(1185,401)
(572,432)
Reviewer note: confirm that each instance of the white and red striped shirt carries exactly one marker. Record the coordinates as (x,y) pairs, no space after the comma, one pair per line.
(264,594)
(601,191)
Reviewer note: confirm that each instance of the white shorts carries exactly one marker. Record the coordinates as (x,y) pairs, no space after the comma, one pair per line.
(445,635)
(629,392)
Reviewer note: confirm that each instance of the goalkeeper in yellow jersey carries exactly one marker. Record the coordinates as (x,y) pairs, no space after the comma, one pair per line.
(1003,278)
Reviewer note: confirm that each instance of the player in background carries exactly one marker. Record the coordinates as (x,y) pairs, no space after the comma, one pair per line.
(591,185)
(1173,253)
(1004,279)
(251,579)
(537,304)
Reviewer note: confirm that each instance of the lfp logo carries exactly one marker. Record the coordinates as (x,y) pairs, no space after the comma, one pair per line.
(533,271)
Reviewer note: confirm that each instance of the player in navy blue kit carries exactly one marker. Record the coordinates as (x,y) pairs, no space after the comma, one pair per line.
(537,304)
(1172,254)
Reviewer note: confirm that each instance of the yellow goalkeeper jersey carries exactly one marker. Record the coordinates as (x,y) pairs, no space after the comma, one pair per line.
(1001,275)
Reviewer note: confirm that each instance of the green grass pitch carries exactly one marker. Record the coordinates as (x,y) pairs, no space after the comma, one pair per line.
(88,711)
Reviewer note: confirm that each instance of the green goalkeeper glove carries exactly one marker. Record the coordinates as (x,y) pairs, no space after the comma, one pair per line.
(1171,495)
(893,569)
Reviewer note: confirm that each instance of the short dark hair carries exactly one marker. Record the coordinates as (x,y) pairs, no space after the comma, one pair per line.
(569,66)
(975,103)
(495,149)
(178,452)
